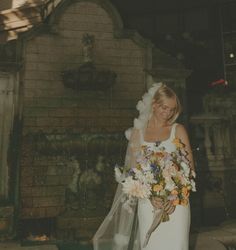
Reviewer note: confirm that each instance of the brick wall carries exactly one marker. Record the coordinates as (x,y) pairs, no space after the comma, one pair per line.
(8,4)
(52,109)
(5,4)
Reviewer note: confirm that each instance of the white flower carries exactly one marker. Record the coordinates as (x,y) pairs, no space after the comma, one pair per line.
(145,166)
(144,176)
(193,185)
(193,173)
(183,179)
(118,174)
(135,188)
(150,178)
(162,192)
(139,175)
(186,168)
(170,185)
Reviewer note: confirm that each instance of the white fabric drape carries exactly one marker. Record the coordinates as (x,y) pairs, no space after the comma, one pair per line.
(119,230)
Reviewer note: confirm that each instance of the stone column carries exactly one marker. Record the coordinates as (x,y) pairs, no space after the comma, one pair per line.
(207,140)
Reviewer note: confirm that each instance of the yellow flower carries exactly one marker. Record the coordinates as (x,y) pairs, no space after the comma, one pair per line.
(138,166)
(178,143)
(157,188)
(189,187)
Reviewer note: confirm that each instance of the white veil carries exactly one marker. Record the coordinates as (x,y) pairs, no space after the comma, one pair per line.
(120,230)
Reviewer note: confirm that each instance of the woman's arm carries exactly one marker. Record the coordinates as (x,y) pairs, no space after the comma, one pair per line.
(182,134)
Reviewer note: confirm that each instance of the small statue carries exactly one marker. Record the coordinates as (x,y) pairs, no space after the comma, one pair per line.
(73,184)
(88,45)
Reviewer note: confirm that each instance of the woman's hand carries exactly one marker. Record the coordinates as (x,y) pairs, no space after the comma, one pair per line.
(157,202)
(169,207)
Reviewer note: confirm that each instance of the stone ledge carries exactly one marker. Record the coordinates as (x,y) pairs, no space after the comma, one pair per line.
(17,246)
(214,238)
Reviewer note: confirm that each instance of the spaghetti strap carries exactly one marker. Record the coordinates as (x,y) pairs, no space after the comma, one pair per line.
(172,134)
(141,131)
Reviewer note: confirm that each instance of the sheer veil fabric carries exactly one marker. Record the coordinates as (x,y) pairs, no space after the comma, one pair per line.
(120,229)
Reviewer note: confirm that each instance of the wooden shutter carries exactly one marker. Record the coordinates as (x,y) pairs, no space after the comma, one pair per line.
(6,122)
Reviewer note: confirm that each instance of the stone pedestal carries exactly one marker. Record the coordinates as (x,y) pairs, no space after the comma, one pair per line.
(213,140)
(6,222)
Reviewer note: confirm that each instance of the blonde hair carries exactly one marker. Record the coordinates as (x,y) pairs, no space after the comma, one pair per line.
(166,92)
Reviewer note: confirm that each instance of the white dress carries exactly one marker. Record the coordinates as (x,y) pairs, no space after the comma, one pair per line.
(170,235)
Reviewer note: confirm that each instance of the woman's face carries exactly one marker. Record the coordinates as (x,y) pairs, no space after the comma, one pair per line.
(165,110)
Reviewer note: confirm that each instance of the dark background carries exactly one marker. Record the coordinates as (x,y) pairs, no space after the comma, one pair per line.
(193,31)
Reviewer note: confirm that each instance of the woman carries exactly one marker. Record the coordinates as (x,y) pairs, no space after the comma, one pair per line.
(125,229)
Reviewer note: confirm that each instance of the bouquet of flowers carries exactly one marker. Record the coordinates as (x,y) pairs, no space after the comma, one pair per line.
(158,173)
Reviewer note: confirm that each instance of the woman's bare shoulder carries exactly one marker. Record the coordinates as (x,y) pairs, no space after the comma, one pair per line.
(181,131)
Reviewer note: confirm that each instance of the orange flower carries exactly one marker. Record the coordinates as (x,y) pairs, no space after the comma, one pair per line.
(174,192)
(184,202)
(157,188)
(159,154)
(178,143)
(185,192)
(176,202)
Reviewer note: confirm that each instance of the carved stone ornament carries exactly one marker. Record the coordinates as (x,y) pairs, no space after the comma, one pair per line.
(87,77)
(88,46)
